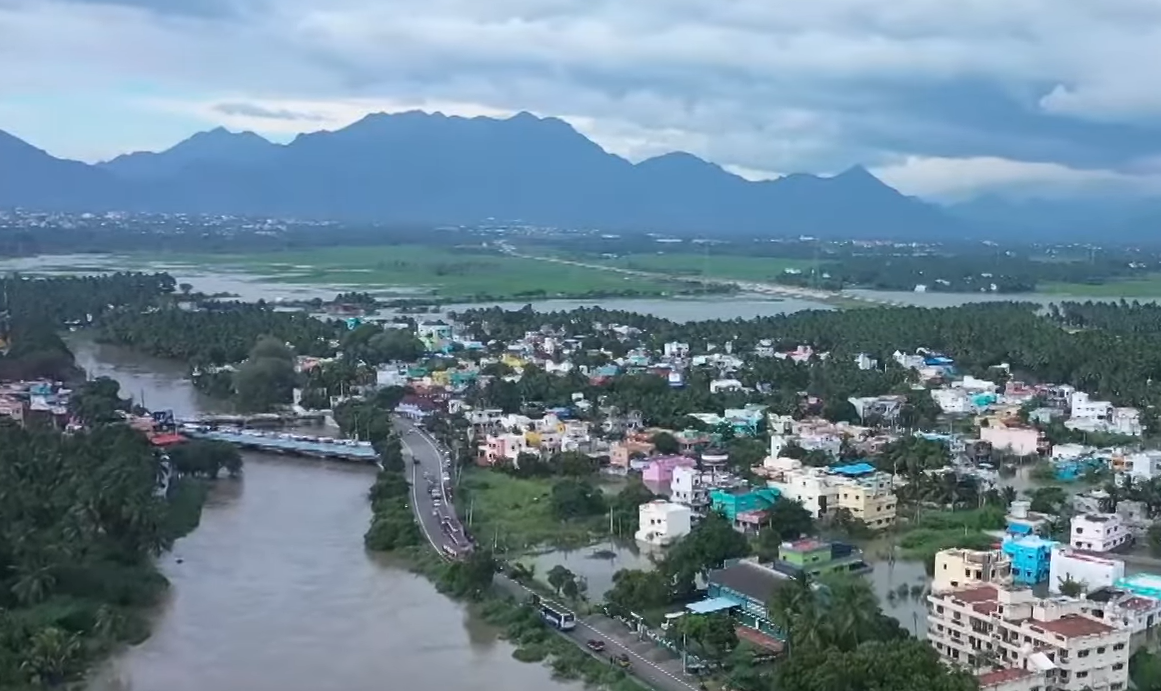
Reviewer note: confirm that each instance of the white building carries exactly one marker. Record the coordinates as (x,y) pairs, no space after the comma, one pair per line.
(961,568)
(663,522)
(865,362)
(990,626)
(1145,465)
(1098,532)
(1080,406)
(952,401)
(675,349)
(1022,441)
(687,487)
(719,385)
(1089,570)
(808,486)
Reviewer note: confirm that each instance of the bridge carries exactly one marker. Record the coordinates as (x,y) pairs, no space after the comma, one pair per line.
(256,420)
(289,444)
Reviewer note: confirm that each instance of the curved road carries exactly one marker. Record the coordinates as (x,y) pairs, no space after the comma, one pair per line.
(651,664)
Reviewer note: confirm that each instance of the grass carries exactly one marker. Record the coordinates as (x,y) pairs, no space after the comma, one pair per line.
(737,267)
(938,530)
(1147,287)
(516,514)
(445,272)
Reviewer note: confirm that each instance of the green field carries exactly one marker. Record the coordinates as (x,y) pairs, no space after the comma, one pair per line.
(1149,287)
(515,513)
(736,267)
(441,271)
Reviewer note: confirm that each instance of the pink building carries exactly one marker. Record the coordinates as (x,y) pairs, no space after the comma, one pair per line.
(660,469)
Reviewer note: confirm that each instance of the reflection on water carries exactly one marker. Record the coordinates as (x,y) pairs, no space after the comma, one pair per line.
(276,593)
(596,565)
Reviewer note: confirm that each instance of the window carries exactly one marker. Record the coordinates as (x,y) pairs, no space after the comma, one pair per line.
(1081,675)
(1083,653)
(1118,666)
(1116,686)
(1101,650)
(1119,646)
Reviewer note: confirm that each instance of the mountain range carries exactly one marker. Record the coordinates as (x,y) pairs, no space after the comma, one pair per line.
(416,167)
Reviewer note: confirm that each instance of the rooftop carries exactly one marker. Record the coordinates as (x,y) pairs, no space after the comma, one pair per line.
(750,579)
(1002,676)
(984,593)
(1074,626)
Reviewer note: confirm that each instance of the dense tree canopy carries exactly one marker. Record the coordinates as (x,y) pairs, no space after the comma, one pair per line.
(80,519)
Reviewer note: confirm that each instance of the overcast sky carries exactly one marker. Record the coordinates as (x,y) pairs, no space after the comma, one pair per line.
(938,97)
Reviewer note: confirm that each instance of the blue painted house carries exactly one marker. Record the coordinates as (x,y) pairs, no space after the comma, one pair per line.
(1031,558)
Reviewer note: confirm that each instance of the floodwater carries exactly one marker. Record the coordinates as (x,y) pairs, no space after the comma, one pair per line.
(276,593)
(252,287)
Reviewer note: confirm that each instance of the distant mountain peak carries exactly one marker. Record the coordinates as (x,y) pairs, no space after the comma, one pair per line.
(857,172)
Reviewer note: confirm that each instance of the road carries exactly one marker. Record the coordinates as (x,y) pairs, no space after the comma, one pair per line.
(747,286)
(653,665)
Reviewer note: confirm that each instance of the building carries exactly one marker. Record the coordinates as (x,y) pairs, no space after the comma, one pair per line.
(809,486)
(1021,441)
(816,558)
(748,585)
(1031,557)
(1013,679)
(868,494)
(1145,465)
(662,523)
(1091,571)
(1099,532)
(745,507)
(688,488)
(961,568)
(1116,606)
(659,473)
(1080,406)
(988,626)
(1021,520)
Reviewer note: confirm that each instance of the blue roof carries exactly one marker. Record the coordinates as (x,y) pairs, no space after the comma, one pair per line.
(854,469)
(713,604)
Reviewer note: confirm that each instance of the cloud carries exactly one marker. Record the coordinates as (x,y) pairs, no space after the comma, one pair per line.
(1023,85)
(250,110)
(955,178)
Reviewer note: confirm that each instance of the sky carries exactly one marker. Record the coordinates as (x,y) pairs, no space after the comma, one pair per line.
(940,98)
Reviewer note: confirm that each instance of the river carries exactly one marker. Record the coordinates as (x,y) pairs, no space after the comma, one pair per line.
(276,593)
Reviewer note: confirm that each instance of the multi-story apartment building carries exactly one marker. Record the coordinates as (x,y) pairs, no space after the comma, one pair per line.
(1099,532)
(990,627)
(867,494)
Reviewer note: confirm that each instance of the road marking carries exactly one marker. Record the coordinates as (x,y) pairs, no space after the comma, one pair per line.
(423,526)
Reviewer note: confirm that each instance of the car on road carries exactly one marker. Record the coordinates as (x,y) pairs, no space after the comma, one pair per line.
(595,645)
(622,661)
(436,503)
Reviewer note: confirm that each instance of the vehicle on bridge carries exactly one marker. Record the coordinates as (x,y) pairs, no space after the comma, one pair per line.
(596,645)
(557,616)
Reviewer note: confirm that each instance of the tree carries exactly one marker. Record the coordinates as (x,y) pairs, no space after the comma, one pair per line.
(665,443)
(471,577)
(897,665)
(1145,670)
(267,377)
(789,520)
(559,576)
(712,636)
(636,591)
(626,504)
(1072,588)
(205,458)
(573,498)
